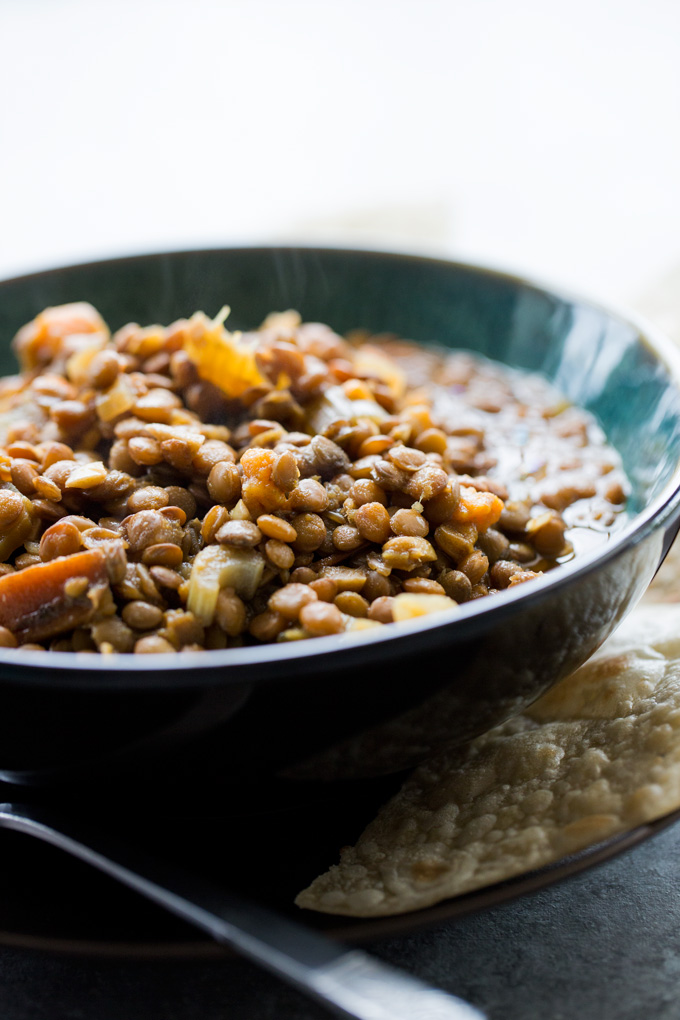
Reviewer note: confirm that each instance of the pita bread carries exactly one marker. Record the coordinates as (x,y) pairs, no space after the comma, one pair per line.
(598,755)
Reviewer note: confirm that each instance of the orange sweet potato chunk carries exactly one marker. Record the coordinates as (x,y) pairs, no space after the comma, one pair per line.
(34,603)
(480,508)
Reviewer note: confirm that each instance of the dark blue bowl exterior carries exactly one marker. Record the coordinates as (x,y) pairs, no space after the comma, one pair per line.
(356,709)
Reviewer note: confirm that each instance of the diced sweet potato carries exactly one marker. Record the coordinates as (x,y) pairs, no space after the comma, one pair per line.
(480,508)
(38,342)
(34,603)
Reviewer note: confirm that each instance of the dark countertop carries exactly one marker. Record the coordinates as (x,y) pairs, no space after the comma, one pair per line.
(605,943)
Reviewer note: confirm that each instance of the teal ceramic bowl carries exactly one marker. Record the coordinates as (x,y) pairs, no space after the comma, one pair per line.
(358,705)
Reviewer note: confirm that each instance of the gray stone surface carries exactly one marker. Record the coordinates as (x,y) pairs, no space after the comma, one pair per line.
(603,944)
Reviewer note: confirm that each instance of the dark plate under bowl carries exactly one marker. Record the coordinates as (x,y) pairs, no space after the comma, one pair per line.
(351,706)
(52,901)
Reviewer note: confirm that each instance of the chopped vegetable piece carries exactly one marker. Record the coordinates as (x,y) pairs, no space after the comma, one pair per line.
(39,341)
(118,399)
(335,405)
(480,508)
(409,605)
(34,604)
(78,364)
(221,358)
(217,567)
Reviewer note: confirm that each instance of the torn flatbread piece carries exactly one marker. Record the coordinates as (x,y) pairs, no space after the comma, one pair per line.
(596,756)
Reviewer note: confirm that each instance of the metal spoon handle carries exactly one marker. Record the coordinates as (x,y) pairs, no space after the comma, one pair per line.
(349,982)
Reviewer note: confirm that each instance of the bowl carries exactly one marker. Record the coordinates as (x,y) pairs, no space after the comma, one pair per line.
(352,706)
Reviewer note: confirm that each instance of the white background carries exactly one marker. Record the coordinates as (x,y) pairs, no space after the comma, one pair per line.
(532,135)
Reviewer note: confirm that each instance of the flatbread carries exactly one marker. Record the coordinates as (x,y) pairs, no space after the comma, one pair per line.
(596,756)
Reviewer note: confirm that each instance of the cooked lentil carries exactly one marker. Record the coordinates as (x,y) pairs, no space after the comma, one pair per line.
(324,476)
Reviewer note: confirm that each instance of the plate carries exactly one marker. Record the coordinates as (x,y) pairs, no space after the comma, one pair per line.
(269,851)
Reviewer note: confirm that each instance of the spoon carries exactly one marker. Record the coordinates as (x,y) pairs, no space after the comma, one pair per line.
(349,982)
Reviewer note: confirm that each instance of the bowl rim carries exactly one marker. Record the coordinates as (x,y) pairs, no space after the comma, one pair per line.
(192,669)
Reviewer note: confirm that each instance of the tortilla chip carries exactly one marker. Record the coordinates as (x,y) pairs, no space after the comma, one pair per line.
(596,756)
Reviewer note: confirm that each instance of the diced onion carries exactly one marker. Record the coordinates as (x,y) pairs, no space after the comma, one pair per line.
(335,405)
(118,399)
(409,605)
(217,567)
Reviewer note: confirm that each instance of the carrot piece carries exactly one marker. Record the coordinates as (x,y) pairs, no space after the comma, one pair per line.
(480,508)
(39,341)
(34,603)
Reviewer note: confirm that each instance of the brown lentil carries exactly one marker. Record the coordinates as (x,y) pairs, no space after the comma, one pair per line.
(456,584)
(381,609)
(325,588)
(280,554)
(149,527)
(289,600)
(406,457)
(150,497)
(376,586)
(230,612)
(409,522)
(276,527)
(547,534)
(182,498)
(365,490)
(474,566)
(303,575)
(103,370)
(285,472)
(431,441)
(61,539)
(456,540)
(321,618)
(347,539)
(44,487)
(423,586)
(24,473)
(72,415)
(11,506)
(145,451)
(308,495)
(502,571)
(211,453)
(54,452)
(352,604)
(174,513)
(213,521)
(239,533)
(494,544)
(406,552)
(310,530)
(224,483)
(7,639)
(373,522)
(153,644)
(142,615)
(164,554)
(165,578)
(267,626)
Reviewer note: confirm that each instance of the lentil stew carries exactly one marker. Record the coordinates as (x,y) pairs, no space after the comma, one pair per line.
(182,487)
